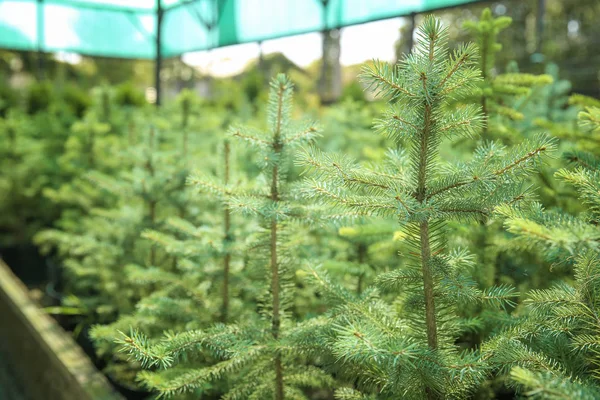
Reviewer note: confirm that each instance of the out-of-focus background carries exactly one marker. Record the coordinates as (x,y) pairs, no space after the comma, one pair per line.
(565,32)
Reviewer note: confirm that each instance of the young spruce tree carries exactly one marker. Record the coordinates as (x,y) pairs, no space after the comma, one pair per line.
(551,349)
(497,93)
(255,358)
(407,349)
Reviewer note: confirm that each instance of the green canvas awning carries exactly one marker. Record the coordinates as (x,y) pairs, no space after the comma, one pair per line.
(127,28)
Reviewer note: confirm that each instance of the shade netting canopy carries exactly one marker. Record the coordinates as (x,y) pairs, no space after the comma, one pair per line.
(128,28)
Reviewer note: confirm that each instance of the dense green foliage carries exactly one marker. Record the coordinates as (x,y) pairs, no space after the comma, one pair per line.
(440,243)
(412,351)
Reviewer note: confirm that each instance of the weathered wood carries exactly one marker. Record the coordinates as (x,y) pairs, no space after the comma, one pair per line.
(47,361)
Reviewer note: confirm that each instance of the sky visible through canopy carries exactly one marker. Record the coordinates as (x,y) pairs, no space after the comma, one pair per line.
(359,43)
(127,28)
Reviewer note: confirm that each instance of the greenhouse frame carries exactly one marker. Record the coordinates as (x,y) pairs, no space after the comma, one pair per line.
(158,29)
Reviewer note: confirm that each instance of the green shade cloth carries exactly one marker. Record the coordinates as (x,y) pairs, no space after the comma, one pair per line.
(127,28)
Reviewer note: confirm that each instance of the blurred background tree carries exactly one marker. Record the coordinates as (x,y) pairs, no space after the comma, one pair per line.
(564,32)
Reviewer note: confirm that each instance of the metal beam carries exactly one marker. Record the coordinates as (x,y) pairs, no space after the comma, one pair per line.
(99,6)
(541,11)
(411,31)
(180,4)
(40,39)
(158,59)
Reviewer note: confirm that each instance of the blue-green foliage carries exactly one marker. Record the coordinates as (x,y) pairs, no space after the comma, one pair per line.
(382,260)
(406,346)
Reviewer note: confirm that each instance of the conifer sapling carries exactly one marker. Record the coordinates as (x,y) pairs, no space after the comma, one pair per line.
(412,353)
(256,357)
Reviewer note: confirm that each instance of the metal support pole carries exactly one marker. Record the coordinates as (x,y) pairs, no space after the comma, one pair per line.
(541,11)
(330,81)
(261,58)
(40,39)
(410,32)
(260,65)
(158,59)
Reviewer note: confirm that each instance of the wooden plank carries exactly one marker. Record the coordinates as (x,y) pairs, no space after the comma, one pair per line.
(40,353)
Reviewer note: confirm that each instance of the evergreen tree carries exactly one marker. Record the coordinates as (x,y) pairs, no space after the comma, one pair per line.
(200,274)
(550,104)
(107,207)
(20,159)
(179,274)
(255,357)
(546,109)
(97,133)
(551,347)
(497,91)
(407,348)
(30,151)
(228,246)
(110,272)
(584,138)
(95,241)
(507,101)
